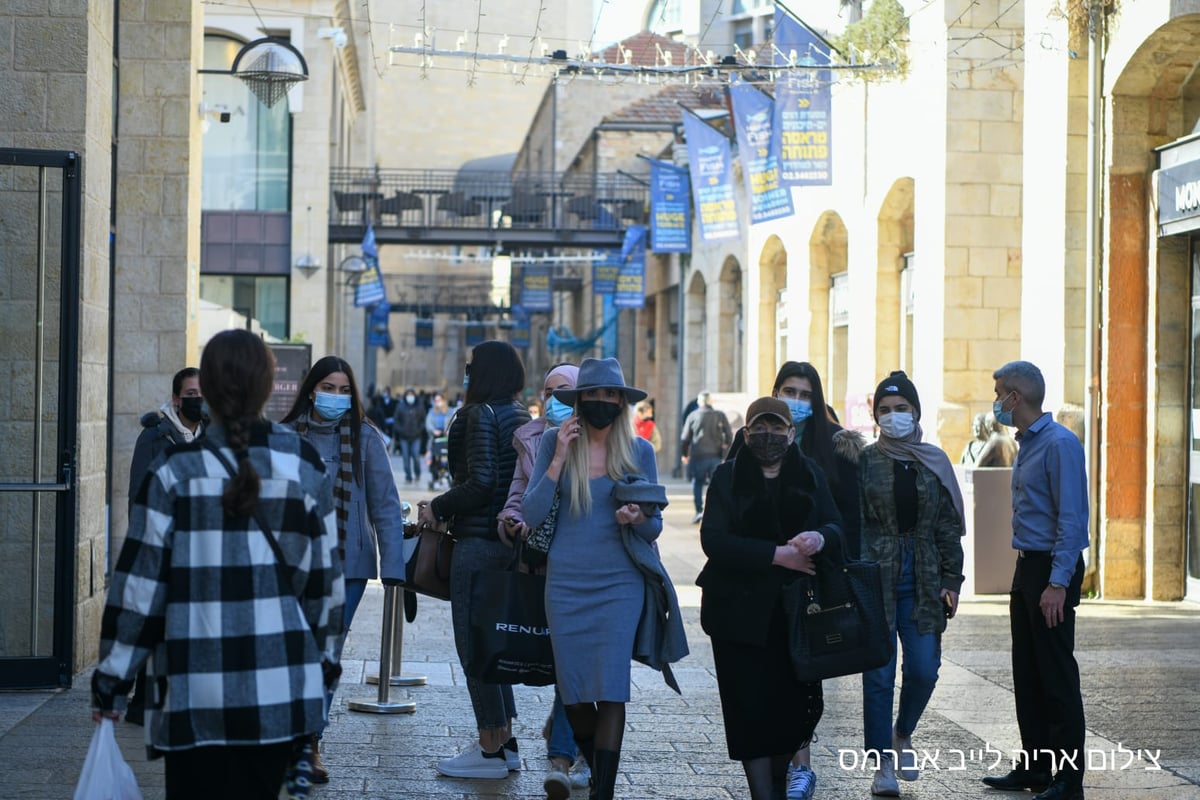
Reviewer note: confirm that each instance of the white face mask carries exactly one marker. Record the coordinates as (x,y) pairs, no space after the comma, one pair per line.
(897,424)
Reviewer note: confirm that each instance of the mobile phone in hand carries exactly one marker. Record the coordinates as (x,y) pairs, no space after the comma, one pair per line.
(947,606)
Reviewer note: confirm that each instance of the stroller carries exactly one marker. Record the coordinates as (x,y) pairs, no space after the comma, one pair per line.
(439,463)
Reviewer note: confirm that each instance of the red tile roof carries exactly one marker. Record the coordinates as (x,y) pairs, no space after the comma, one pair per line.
(643,51)
(664,105)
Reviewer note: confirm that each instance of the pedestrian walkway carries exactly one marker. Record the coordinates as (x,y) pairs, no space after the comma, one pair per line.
(1141,682)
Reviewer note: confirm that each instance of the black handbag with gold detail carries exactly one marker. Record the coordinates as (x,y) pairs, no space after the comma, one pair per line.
(836,621)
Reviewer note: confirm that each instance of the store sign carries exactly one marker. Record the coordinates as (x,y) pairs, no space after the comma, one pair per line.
(1179,198)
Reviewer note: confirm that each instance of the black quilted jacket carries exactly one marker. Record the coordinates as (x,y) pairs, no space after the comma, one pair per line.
(482,459)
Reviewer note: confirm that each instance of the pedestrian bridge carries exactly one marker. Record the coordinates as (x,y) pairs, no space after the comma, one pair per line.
(453,207)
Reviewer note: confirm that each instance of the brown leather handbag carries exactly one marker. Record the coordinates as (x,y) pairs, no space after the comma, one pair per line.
(428,570)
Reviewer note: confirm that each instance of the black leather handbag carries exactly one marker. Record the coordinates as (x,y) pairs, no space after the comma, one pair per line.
(836,621)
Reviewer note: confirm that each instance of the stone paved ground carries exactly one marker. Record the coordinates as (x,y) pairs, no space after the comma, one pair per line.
(1141,677)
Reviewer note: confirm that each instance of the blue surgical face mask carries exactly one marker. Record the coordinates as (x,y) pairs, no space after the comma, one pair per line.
(331,407)
(1002,416)
(896,425)
(801,409)
(557,411)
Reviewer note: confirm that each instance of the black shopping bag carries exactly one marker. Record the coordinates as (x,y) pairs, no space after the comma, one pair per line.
(509,638)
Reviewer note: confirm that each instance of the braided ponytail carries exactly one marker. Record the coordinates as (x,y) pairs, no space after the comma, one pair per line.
(236,375)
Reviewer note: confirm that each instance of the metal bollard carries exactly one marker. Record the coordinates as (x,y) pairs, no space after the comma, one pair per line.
(393,621)
(397,679)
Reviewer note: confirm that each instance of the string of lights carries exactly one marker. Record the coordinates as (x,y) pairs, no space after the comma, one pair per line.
(584,63)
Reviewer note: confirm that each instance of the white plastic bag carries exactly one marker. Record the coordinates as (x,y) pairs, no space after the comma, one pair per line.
(105,774)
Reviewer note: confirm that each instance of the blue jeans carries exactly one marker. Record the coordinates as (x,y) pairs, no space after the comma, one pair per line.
(492,703)
(355,588)
(701,469)
(410,457)
(922,658)
(562,737)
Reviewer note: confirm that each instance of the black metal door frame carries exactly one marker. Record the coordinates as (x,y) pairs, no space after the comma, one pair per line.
(56,669)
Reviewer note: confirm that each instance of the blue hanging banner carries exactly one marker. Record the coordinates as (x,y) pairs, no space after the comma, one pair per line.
(424,332)
(711,167)
(521,328)
(474,334)
(670,216)
(369,289)
(378,333)
(536,294)
(631,280)
(752,114)
(802,134)
(606,265)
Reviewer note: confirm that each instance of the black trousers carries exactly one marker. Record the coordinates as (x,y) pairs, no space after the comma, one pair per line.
(230,773)
(1045,673)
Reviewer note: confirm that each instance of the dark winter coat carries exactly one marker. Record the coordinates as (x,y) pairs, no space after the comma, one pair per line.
(739,534)
(482,458)
(158,433)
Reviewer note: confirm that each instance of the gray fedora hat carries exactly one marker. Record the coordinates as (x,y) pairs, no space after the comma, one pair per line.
(599,373)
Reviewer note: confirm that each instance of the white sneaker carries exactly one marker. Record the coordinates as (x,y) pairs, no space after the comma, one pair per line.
(885,784)
(512,755)
(699,516)
(906,757)
(556,784)
(474,763)
(581,774)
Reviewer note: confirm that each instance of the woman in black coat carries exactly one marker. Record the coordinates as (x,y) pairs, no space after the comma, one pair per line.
(482,459)
(769,520)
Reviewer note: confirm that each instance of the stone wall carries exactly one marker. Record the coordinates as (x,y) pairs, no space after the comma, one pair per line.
(157,268)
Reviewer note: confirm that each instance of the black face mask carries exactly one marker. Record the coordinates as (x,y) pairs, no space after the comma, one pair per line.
(768,448)
(192,408)
(599,413)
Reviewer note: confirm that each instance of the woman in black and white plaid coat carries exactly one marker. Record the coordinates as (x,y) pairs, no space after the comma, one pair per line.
(240,642)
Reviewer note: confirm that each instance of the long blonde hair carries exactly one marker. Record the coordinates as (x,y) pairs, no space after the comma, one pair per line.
(618,463)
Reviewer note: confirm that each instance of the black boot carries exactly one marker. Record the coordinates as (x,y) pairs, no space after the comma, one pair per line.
(604,774)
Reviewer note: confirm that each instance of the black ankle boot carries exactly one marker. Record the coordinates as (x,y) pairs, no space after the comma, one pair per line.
(604,775)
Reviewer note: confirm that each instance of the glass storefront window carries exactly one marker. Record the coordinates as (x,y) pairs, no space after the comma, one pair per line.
(263,298)
(245,161)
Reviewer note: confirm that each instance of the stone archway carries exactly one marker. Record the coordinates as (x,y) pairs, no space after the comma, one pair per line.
(1145,393)
(893,311)
(695,333)
(828,339)
(772,312)
(730,342)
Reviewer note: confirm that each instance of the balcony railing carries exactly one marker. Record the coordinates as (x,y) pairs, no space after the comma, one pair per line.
(408,206)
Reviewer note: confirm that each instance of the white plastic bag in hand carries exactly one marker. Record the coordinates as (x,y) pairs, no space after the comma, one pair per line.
(105,774)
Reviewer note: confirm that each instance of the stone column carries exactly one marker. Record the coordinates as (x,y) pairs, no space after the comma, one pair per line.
(157,270)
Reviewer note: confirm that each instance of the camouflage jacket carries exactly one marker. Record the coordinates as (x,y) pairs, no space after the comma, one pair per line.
(937,538)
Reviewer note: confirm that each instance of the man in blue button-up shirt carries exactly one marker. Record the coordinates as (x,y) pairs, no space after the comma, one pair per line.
(1050,531)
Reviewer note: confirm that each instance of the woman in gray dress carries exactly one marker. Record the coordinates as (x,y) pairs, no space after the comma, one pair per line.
(594,591)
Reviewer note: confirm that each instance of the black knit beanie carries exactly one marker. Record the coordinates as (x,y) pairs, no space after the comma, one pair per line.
(897,384)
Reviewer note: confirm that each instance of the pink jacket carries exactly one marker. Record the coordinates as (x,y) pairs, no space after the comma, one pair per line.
(525,442)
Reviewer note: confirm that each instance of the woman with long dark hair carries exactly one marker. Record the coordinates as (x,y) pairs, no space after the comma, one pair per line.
(328,414)
(594,591)
(231,540)
(482,458)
